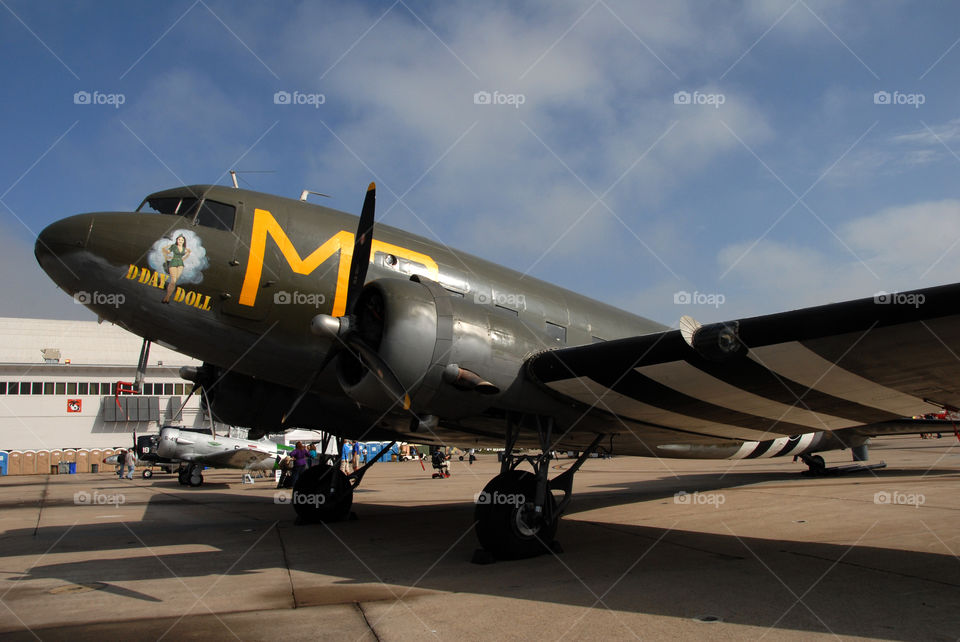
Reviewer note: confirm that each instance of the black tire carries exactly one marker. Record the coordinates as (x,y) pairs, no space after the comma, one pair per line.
(195,479)
(322,494)
(147,474)
(182,477)
(501,527)
(817,465)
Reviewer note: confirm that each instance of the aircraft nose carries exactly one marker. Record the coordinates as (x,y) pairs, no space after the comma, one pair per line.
(71,232)
(57,241)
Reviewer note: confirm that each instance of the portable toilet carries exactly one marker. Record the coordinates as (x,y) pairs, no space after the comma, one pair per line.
(14,460)
(3,463)
(95,457)
(83,460)
(28,463)
(43,463)
(69,457)
(56,456)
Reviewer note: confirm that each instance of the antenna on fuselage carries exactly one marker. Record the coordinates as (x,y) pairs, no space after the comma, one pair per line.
(234,174)
(304,193)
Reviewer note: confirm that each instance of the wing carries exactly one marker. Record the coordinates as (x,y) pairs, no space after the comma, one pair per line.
(825,368)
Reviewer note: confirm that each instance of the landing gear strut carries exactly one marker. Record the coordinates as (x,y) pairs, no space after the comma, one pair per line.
(816,467)
(190,475)
(323,493)
(517,514)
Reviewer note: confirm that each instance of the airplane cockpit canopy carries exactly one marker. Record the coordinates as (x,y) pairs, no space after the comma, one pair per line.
(197,209)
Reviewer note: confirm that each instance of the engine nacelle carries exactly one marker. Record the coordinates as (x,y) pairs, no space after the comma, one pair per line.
(454,357)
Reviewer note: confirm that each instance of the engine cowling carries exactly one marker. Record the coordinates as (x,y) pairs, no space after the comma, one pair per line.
(452,356)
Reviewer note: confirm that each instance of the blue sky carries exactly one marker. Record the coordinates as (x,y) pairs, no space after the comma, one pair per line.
(786,180)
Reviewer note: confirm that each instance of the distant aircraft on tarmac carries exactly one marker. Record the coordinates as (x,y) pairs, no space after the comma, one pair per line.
(195,450)
(439,347)
(189,452)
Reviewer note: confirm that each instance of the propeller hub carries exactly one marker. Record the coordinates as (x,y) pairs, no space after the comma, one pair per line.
(325,325)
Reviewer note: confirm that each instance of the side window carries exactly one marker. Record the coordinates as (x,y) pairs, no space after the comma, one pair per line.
(217,215)
(169,205)
(164,205)
(558,332)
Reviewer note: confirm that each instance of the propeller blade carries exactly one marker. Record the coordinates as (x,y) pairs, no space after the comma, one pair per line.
(306,388)
(382,371)
(362,243)
(341,328)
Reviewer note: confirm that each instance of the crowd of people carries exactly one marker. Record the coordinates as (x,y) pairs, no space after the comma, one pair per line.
(306,456)
(353,454)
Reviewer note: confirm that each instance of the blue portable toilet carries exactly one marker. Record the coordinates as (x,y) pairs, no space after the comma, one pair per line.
(73,468)
(3,463)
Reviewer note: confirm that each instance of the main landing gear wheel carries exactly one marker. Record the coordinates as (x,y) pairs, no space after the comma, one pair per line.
(322,494)
(507,525)
(190,475)
(815,464)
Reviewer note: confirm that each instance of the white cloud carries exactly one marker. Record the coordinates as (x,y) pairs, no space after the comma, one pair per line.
(896,154)
(596,101)
(937,135)
(896,249)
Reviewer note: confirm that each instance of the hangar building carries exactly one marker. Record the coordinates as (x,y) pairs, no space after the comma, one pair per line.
(59,386)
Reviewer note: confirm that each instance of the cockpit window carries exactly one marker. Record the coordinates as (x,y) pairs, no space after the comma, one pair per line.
(217,215)
(169,205)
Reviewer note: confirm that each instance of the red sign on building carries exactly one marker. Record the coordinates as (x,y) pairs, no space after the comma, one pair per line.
(73,405)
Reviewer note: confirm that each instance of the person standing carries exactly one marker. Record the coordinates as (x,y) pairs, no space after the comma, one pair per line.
(346,452)
(300,456)
(131,463)
(355,456)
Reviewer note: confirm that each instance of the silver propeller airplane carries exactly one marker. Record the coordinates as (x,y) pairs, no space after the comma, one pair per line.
(195,450)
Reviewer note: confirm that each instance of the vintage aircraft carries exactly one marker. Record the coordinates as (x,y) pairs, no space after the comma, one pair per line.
(195,450)
(300,321)
(188,452)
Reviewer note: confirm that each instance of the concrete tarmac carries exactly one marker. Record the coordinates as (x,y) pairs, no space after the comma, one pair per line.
(653,549)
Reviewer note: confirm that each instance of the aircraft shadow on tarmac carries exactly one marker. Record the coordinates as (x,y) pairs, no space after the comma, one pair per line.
(667,487)
(784,583)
